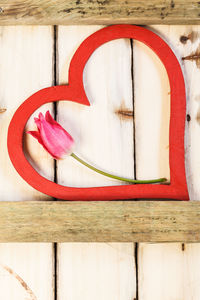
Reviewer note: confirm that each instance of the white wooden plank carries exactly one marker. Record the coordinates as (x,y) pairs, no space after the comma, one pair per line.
(25,66)
(96,271)
(102,136)
(161,272)
(105,139)
(26,271)
(151,114)
(171,271)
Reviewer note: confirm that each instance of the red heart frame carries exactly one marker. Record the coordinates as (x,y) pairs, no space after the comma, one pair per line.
(74,91)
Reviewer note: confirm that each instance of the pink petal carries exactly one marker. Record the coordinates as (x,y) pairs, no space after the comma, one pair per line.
(52,136)
(37,136)
(56,139)
(37,122)
(50,119)
(41,117)
(58,128)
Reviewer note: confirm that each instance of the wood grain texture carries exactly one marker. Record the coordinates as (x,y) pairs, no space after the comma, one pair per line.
(152,114)
(26,270)
(116,221)
(104,137)
(15,12)
(175,267)
(22,72)
(169,271)
(96,271)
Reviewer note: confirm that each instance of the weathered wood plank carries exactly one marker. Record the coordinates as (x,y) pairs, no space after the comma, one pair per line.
(23,72)
(25,66)
(96,271)
(26,271)
(44,12)
(175,266)
(152,114)
(169,271)
(115,221)
(104,136)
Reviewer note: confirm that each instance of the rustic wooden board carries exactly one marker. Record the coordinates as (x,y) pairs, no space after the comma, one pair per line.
(26,270)
(43,12)
(152,114)
(97,270)
(81,264)
(115,221)
(175,266)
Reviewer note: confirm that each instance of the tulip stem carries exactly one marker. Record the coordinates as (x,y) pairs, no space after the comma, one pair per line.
(116,177)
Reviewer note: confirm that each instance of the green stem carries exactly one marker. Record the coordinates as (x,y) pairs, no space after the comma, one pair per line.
(116,177)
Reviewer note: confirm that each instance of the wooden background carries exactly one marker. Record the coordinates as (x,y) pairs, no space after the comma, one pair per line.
(62,12)
(125,131)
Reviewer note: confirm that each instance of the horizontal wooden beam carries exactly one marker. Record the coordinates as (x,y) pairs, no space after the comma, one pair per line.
(45,12)
(113,221)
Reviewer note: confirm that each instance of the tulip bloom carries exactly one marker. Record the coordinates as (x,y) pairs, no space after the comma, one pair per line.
(59,143)
(53,137)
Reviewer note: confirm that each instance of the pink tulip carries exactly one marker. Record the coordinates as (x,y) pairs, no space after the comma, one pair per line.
(59,143)
(52,136)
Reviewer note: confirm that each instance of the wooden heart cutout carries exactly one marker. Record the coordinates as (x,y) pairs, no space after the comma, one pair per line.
(74,91)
